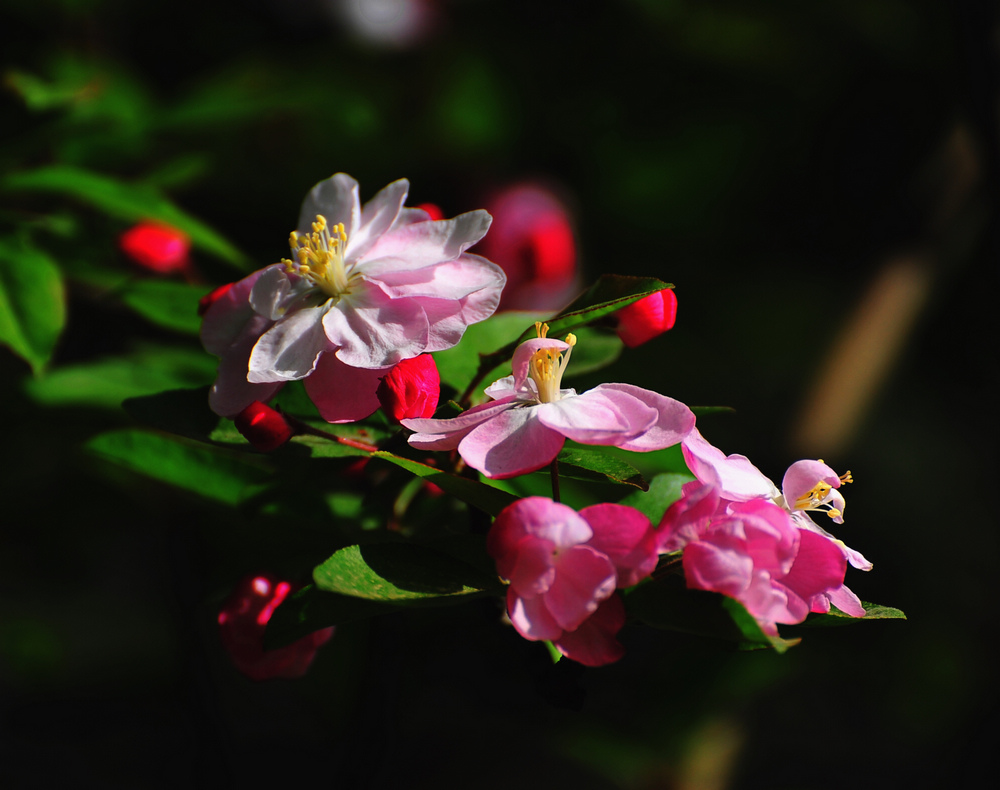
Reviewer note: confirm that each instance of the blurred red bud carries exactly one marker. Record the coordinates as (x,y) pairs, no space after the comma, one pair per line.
(411,389)
(531,239)
(157,247)
(211,298)
(262,426)
(242,621)
(645,319)
(432,210)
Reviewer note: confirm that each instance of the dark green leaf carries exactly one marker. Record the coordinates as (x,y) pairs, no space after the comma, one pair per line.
(753,637)
(664,490)
(106,382)
(183,411)
(400,573)
(165,303)
(211,473)
(480,495)
(588,463)
(311,609)
(835,617)
(32,302)
(127,201)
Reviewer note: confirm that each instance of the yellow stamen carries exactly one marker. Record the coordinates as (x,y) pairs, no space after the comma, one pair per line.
(541,329)
(319,256)
(813,498)
(547,365)
(847,477)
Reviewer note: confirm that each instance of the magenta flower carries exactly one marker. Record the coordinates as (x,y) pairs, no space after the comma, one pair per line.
(808,486)
(366,288)
(563,569)
(753,551)
(530,416)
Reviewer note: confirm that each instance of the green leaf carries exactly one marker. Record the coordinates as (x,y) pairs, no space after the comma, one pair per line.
(181,411)
(587,463)
(32,302)
(400,573)
(214,474)
(480,495)
(595,349)
(663,491)
(128,201)
(666,603)
(105,383)
(835,617)
(310,609)
(166,303)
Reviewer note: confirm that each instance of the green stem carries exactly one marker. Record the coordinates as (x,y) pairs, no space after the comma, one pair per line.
(554,470)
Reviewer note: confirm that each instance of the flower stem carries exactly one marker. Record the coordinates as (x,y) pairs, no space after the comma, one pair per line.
(301,427)
(554,470)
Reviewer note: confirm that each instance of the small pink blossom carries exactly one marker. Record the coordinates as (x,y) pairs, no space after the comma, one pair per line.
(411,389)
(530,417)
(563,569)
(752,551)
(366,287)
(647,318)
(242,621)
(157,247)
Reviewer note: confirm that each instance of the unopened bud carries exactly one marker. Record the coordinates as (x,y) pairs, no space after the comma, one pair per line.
(262,426)
(411,389)
(645,319)
(159,248)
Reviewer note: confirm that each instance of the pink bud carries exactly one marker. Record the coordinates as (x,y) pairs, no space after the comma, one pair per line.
(532,240)
(242,621)
(645,319)
(262,426)
(159,248)
(211,298)
(411,389)
(432,210)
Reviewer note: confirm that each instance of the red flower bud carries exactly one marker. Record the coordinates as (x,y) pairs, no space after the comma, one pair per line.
(432,210)
(411,389)
(262,426)
(242,621)
(645,319)
(211,298)
(157,247)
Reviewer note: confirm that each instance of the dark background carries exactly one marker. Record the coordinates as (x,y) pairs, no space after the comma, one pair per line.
(820,182)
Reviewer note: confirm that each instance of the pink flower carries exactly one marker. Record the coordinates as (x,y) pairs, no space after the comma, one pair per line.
(157,247)
(563,569)
(752,551)
(262,426)
(530,416)
(242,621)
(643,320)
(411,389)
(808,486)
(532,241)
(368,287)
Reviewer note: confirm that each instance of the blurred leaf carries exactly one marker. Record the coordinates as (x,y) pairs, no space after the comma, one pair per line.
(472,111)
(39,94)
(311,609)
(32,302)
(480,495)
(664,490)
(166,303)
(594,350)
(106,382)
(184,412)
(587,463)
(213,474)
(667,604)
(835,617)
(399,573)
(128,201)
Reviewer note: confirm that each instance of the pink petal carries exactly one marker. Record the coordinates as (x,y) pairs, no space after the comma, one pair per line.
(819,566)
(289,349)
(845,600)
(803,476)
(531,617)
(674,421)
(424,243)
(771,602)
(342,393)
(709,567)
(538,518)
(584,577)
(738,479)
(270,292)
(336,198)
(434,434)
(374,331)
(512,443)
(224,320)
(626,537)
(686,519)
(377,216)
(232,393)
(594,642)
(451,280)
(531,573)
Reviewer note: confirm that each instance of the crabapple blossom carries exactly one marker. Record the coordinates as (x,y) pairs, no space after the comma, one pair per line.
(530,416)
(366,288)
(411,389)
(262,426)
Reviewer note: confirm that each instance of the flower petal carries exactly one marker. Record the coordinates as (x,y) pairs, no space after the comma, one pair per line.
(674,421)
(424,243)
(227,316)
(512,443)
(594,642)
(584,577)
(342,393)
(594,418)
(626,537)
(738,479)
(374,331)
(232,393)
(289,350)
(530,617)
(377,216)
(337,199)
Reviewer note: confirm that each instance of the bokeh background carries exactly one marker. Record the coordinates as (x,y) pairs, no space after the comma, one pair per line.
(819,180)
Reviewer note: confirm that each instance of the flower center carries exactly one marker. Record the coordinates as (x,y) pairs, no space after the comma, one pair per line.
(818,497)
(319,257)
(547,365)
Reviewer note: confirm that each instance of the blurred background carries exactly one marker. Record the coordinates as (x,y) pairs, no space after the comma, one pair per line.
(819,180)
